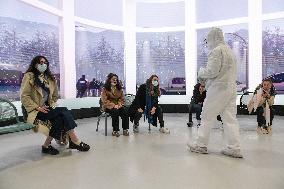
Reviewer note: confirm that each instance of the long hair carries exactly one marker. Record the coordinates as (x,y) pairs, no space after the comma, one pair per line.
(32,68)
(272,88)
(151,86)
(107,84)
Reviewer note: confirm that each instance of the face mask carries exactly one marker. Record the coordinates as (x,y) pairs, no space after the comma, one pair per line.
(41,67)
(155,83)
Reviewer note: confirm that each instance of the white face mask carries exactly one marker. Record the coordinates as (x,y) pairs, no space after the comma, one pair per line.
(155,83)
(41,68)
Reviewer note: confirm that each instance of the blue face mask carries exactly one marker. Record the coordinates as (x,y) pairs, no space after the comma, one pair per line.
(41,68)
(155,83)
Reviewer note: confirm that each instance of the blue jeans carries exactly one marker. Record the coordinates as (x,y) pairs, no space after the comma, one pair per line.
(197,108)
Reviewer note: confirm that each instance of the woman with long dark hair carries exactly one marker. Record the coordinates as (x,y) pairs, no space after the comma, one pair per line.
(263,101)
(113,100)
(39,94)
(146,101)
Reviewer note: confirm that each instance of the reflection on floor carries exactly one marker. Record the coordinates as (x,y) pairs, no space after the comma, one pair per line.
(145,160)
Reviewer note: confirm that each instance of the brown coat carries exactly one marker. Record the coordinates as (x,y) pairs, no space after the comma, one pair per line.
(109,99)
(32,96)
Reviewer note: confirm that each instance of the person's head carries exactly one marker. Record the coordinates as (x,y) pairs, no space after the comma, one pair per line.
(154,84)
(112,81)
(202,87)
(214,38)
(83,76)
(266,84)
(154,79)
(40,65)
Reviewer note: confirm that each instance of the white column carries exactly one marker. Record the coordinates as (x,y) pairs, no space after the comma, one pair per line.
(255,43)
(67,50)
(129,22)
(190,46)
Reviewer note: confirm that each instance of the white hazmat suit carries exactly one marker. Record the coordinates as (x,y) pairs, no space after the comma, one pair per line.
(220,74)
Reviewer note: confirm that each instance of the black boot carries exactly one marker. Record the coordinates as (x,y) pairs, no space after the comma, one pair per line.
(49,150)
(189,124)
(81,147)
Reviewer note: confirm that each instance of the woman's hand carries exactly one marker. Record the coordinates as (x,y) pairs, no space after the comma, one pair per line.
(153,110)
(140,110)
(116,106)
(43,109)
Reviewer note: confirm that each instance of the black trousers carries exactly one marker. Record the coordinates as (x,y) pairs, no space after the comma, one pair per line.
(61,119)
(115,113)
(157,115)
(80,93)
(261,119)
(193,107)
(197,108)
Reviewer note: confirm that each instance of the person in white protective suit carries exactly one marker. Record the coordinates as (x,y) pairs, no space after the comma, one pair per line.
(220,74)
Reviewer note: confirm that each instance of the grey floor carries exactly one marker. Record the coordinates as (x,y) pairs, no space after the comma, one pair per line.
(145,160)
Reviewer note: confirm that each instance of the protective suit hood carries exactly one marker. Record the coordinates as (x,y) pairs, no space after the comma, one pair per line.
(214,38)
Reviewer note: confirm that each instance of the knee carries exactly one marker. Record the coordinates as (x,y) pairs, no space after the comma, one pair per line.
(199,109)
(139,114)
(63,109)
(114,112)
(159,109)
(259,110)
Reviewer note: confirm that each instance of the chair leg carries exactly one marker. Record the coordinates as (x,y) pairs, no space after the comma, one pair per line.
(98,122)
(105,125)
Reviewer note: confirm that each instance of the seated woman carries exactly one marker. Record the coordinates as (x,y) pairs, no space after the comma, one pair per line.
(196,104)
(39,94)
(262,102)
(112,98)
(146,100)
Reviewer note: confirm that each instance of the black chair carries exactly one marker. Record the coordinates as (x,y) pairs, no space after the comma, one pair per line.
(103,114)
(244,101)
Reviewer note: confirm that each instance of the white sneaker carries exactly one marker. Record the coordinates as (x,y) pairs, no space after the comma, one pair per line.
(197,149)
(164,130)
(135,129)
(232,153)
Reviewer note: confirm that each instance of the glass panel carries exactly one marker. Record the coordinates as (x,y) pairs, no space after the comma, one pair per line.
(269,6)
(236,37)
(162,54)
(273,52)
(106,11)
(24,33)
(160,14)
(210,10)
(98,53)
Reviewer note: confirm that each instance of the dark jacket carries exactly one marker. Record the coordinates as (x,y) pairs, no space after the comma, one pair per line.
(82,84)
(197,97)
(140,101)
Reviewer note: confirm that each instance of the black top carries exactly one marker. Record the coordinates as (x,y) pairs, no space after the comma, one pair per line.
(197,97)
(81,84)
(140,101)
